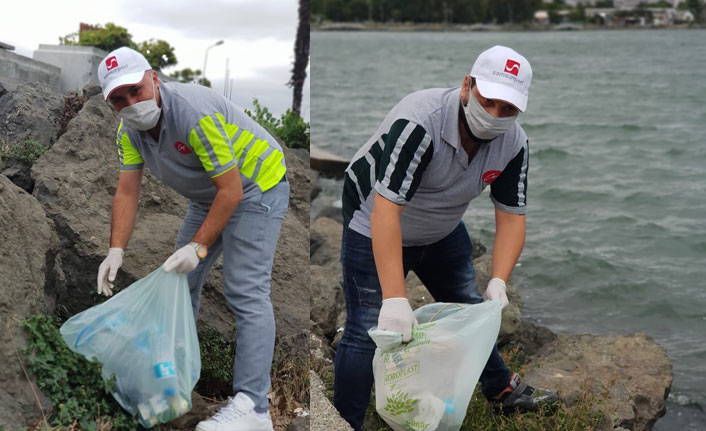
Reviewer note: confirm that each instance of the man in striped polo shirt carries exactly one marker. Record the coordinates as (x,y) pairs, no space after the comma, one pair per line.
(233,173)
(404,195)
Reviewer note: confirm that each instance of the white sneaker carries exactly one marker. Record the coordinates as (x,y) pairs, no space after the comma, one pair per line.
(238,415)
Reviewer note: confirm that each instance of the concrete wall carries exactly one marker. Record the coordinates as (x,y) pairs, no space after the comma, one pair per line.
(17,69)
(78,64)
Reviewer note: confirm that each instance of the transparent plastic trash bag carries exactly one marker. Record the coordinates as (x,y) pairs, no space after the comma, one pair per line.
(427,383)
(145,337)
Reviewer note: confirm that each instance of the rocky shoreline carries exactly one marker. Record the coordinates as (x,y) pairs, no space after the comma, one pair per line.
(630,373)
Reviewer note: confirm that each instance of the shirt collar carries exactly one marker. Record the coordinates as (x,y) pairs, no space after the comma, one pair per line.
(449,120)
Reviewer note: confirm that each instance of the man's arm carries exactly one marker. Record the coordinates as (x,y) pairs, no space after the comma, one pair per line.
(508,244)
(228,197)
(125,208)
(387,246)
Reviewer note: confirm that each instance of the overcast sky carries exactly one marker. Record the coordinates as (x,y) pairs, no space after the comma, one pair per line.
(258,37)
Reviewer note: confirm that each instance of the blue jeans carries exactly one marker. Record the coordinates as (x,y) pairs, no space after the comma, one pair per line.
(445,268)
(248,245)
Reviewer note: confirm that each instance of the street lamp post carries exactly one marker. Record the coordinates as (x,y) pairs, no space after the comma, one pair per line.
(205,57)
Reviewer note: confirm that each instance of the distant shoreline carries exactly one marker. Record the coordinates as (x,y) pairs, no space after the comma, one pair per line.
(440,27)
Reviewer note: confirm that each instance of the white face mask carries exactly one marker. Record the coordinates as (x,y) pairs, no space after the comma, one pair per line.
(482,124)
(142,115)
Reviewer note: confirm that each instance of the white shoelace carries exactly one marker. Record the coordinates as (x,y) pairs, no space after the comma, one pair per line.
(230,412)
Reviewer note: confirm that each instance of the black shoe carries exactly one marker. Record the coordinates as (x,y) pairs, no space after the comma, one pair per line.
(522,397)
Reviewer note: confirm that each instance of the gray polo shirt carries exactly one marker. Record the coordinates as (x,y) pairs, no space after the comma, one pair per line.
(415,159)
(203,135)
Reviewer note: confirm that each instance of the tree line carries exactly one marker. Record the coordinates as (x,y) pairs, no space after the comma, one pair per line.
(426,11)
(464,11)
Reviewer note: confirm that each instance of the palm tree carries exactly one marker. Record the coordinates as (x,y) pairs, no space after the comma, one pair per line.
(301,56)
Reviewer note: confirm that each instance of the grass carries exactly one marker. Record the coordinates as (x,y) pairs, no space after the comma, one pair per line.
(587,413)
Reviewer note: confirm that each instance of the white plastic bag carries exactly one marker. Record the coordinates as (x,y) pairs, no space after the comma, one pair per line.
(426,384)
(145,336)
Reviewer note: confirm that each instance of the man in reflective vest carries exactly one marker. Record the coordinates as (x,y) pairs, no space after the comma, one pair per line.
(233,173)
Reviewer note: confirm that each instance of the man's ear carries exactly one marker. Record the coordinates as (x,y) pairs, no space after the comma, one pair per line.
(465,89)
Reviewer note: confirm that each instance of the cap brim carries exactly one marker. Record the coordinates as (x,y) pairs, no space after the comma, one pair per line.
(492,90)
(127,79)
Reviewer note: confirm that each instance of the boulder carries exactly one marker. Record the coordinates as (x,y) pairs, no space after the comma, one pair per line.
(631,373)
(75,182)
(326,297)
(32,111)
(315,186)
(325,240)
(29,270)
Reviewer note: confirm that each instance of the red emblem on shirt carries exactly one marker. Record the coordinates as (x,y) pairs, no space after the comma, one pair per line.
(182,148)
(490,176)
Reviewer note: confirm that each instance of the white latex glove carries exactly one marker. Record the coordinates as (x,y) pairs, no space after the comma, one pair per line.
(183,260)
(396,315)
(108,269)
(496,291)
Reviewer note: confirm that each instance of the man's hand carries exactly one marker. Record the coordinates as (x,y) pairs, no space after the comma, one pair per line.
(496,291)
(183,260)
(108,270)
(396,315)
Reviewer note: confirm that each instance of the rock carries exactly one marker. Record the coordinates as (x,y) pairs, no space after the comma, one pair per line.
(75,182)
(315,186)
(526,341)
(300,423)
(324,416)
(32,111)
(91,90)
(199,411)
(18,171)
(325,240)
(326,297)
(631,373)
(30,272)
(331,211)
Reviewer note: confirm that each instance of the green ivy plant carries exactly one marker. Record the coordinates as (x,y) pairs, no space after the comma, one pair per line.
(74,385)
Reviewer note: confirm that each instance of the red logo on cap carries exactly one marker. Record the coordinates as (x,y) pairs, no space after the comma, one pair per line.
(111,63)
(182,148)
(512,67)
(490,176)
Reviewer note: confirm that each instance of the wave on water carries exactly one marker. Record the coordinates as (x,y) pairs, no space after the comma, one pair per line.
(551,154)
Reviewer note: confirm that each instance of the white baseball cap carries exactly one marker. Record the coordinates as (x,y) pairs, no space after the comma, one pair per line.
(123,66)
(502,73)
